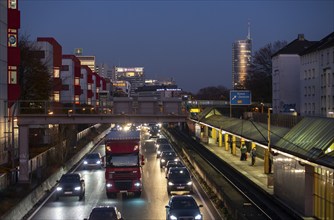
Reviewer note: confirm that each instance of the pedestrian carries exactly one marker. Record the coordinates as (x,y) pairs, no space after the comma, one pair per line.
(243,150)
(253,155)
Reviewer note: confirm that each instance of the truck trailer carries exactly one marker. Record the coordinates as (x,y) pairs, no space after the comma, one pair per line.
(123,163)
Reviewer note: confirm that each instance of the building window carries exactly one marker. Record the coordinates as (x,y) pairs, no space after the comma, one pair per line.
(56,72)
(77,81)
(322,60)
(77,99)
(12,75)
(65,87)
(12,4)
(40,54)
(65,68)
(56,96)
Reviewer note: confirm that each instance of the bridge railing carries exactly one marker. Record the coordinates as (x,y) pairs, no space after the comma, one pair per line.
(118,105)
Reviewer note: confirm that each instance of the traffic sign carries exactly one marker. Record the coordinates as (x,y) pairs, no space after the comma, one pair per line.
(240,97)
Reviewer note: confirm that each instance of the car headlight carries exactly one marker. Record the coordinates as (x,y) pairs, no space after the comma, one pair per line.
(159,152)
(170,183)
(172,217)
(163,160)
(109,185)
(176,159)
(198,216)
(137,184)
(77,188)
(59,188)
(189,183)
(98,162)
(85,162)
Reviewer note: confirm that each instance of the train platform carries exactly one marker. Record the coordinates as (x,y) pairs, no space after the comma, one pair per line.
(255,173)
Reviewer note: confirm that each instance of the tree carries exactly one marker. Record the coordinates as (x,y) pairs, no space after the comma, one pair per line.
(259,77)
(213,93)
(34,77)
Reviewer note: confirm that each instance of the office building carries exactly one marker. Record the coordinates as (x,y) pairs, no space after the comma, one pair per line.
(134,75)
(241,60)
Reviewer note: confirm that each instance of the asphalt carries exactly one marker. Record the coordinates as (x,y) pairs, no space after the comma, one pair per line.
(16,192)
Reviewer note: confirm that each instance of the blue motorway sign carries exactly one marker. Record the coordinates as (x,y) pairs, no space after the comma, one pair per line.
(240,97)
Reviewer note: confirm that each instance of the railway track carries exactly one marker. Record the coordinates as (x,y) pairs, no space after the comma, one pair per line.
(257,203)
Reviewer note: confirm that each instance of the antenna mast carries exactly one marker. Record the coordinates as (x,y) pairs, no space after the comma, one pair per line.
(249,32)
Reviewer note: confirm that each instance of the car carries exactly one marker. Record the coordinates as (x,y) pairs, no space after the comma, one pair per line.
(170,164)
(104,212)
(154,132)
(179,179)
(71,184)
(163,148)
(161,140)
(183,207)
(167,156)
(92,160)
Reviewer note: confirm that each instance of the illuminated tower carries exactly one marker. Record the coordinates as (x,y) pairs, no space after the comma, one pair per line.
(241,60)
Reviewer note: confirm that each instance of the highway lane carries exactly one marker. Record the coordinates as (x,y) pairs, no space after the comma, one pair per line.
(151,204)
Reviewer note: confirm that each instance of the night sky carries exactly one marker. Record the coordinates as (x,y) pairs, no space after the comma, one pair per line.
(189,41)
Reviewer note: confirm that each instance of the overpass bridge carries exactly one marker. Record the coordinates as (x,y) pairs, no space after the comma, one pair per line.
(119,110)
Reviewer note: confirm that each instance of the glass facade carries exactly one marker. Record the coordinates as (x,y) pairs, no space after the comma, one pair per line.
(241,60)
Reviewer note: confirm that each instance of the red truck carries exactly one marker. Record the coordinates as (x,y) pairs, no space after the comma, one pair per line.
(123,162)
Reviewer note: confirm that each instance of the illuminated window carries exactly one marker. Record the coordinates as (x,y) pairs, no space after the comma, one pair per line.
(12,4)
(89,87)
(77,99)
(56,72)
(56,96)
(77,81)
(12,75)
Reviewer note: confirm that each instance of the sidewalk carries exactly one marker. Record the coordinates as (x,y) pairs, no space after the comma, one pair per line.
(254,173)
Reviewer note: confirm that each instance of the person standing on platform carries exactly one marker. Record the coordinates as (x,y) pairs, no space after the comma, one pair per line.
(243,150)
(253,155)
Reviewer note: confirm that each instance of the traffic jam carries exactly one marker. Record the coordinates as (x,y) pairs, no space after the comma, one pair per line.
(133,168)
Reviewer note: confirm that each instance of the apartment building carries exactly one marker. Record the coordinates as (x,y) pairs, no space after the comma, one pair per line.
(317,79)
(9,83)
(285,76)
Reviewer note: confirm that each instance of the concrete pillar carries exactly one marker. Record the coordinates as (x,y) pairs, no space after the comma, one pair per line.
(24,154)
(220,139)
(227,143)
(234,145)
(214,136)
(266,161)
